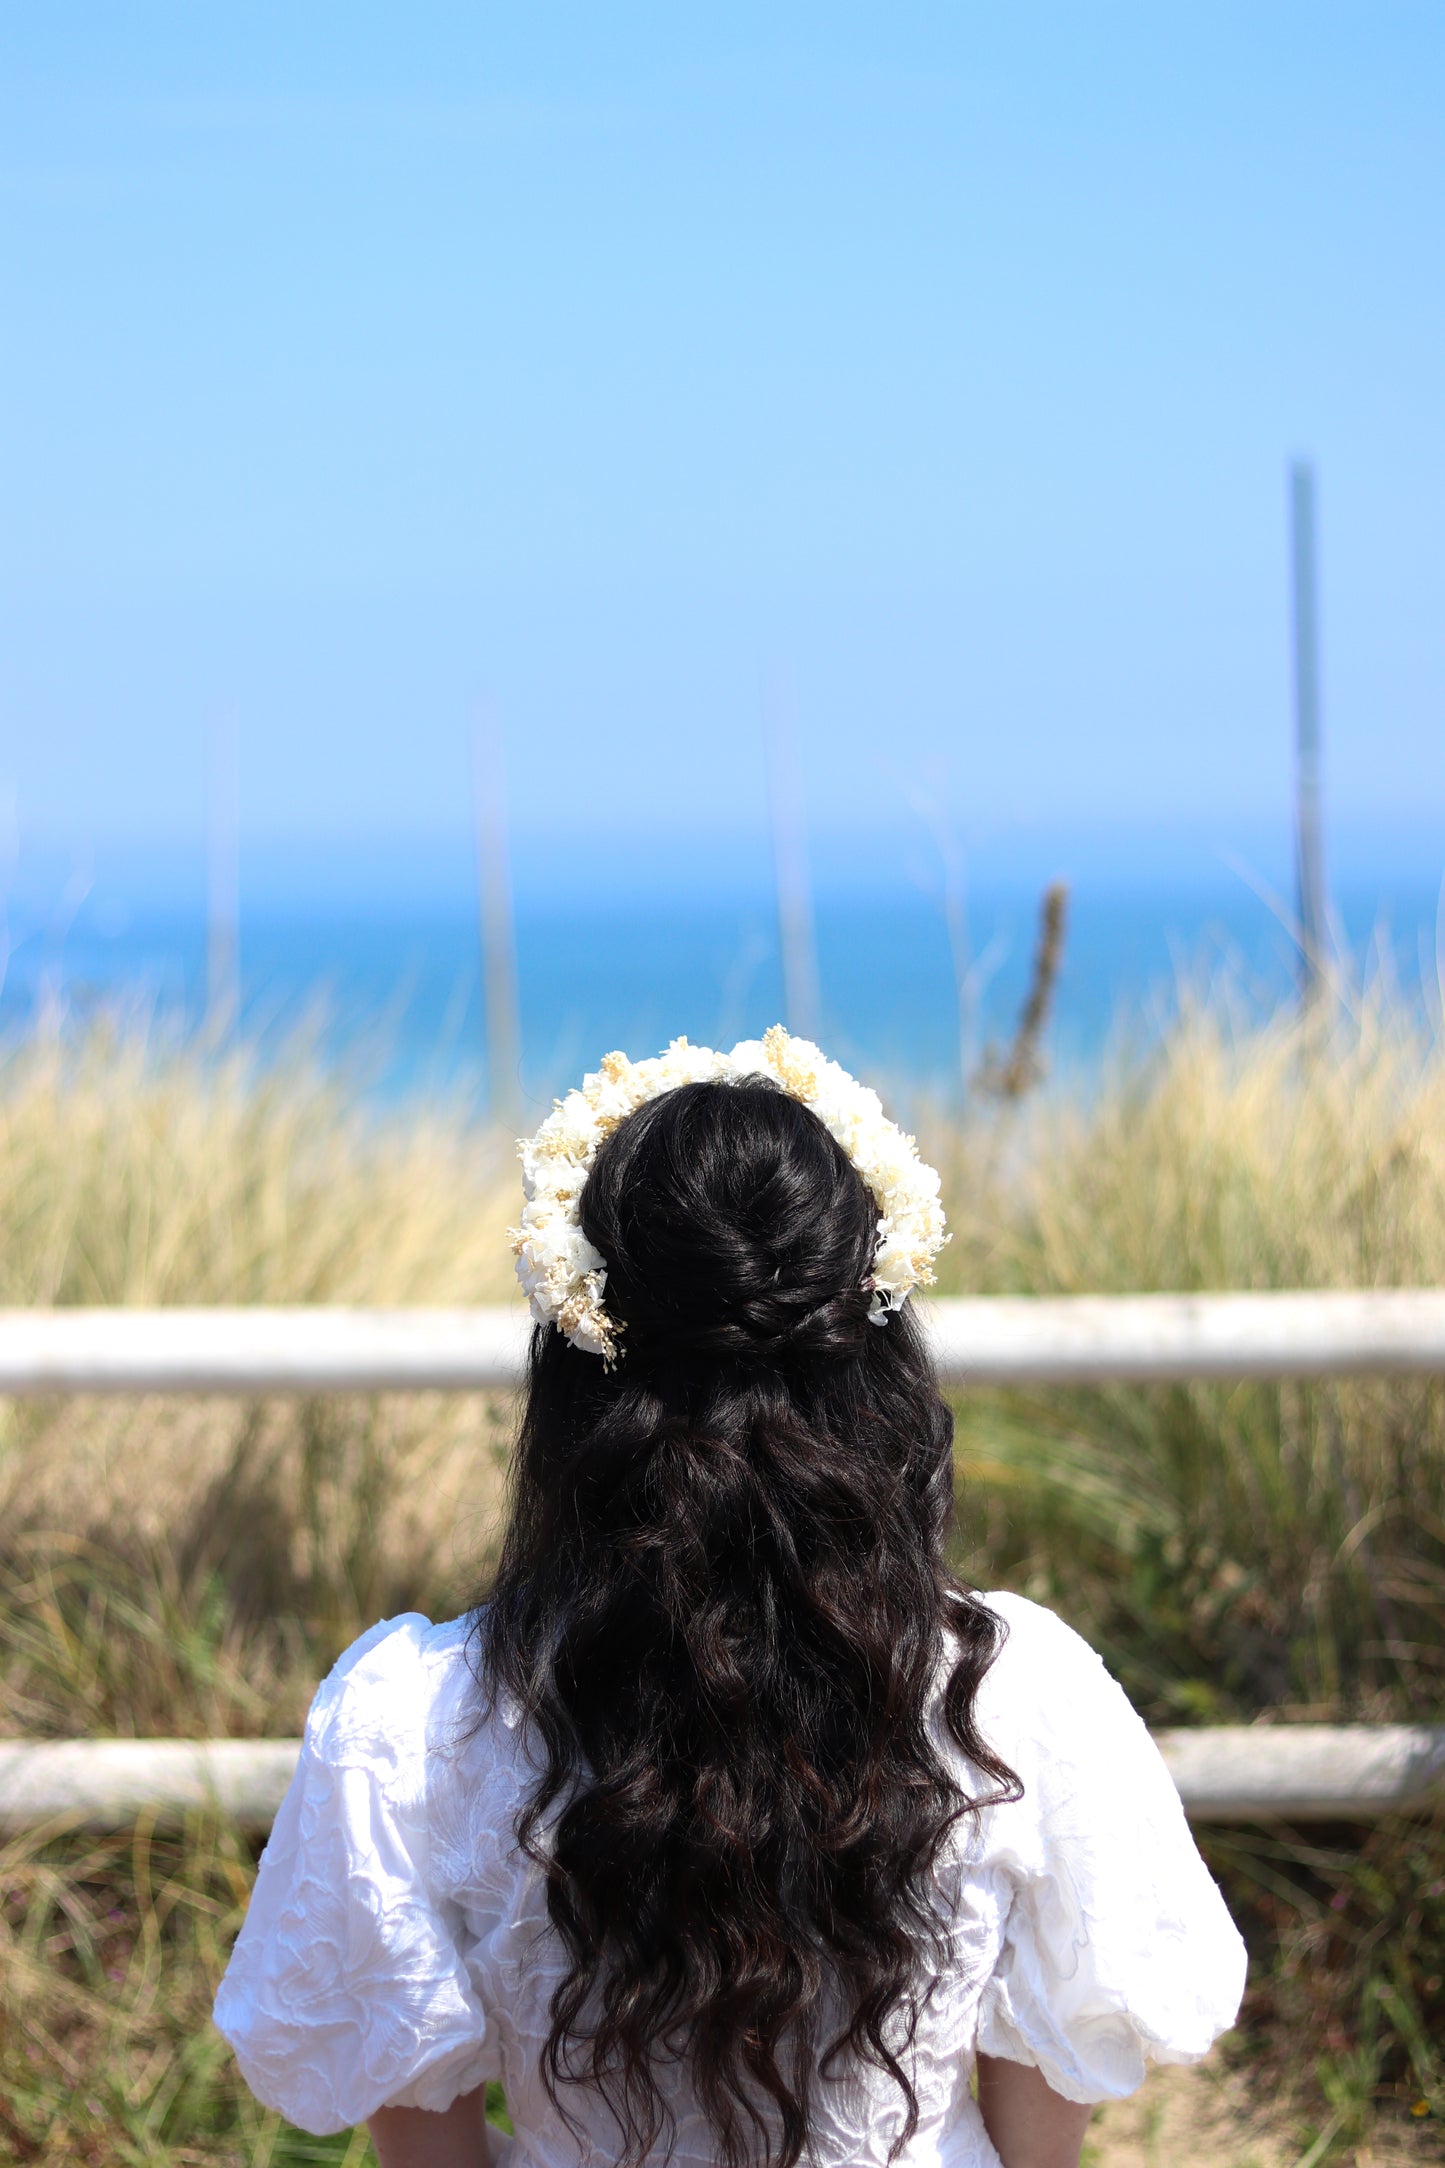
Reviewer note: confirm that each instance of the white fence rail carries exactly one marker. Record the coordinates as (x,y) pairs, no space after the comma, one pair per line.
(1286,1773)
(1292,1773)
(985,1340)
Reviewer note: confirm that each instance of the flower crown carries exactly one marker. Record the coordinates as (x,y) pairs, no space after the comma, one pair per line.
(564,1277)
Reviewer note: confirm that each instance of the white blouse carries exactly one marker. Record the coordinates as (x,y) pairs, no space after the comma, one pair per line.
(397,1950)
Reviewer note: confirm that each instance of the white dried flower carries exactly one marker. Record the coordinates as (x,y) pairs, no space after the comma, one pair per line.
(563,1276)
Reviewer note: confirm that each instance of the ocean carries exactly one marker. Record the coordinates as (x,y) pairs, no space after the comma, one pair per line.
(394,996)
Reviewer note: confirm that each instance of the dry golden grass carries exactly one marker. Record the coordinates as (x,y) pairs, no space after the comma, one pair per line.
(1292,1153)
(137,1173)
(192,1566)
(1234,1548)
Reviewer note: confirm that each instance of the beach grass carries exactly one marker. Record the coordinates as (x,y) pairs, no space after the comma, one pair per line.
(192,1566)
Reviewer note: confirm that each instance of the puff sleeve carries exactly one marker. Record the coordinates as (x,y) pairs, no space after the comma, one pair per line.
(1118,1950)
(347,1990)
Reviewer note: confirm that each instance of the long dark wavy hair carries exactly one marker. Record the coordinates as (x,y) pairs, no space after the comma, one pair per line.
(724,1607)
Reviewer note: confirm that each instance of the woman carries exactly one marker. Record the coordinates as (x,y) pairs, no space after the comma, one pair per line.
(732,1828)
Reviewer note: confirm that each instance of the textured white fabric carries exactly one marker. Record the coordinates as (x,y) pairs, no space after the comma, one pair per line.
(397,1950)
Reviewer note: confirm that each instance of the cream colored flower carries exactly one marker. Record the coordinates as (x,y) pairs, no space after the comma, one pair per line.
(563,1276)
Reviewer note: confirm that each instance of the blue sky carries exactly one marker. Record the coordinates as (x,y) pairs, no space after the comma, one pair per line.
(365,363)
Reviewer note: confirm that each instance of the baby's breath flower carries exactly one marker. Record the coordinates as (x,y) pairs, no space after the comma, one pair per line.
(563,1276)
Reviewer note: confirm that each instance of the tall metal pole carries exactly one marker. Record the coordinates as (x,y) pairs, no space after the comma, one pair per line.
(223,880)
(1309,845)
(499,946)
(790,857)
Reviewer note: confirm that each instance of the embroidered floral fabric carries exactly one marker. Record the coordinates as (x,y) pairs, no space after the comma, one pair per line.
(397,1949)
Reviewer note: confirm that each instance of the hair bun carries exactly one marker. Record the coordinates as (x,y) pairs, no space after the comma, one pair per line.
(766,1329)
(734,1226)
